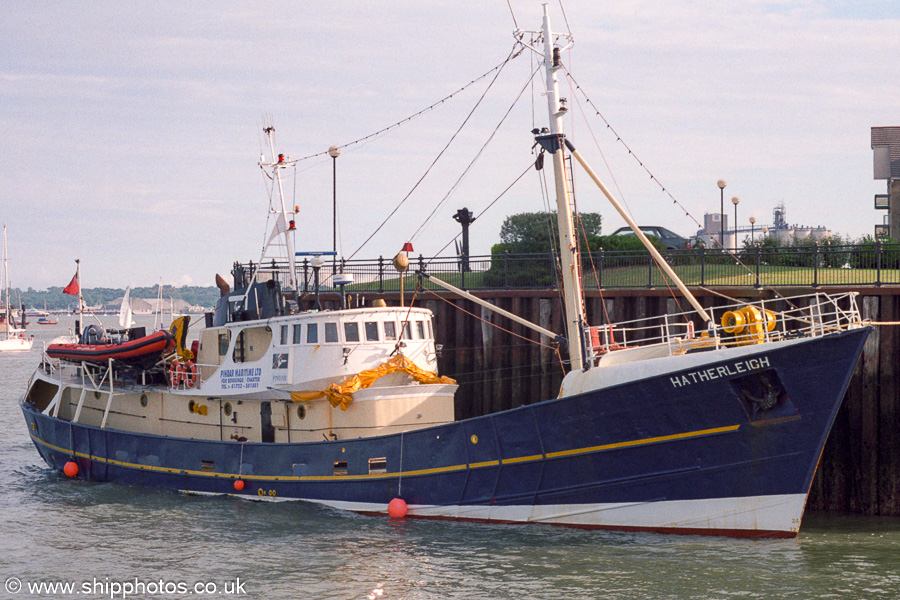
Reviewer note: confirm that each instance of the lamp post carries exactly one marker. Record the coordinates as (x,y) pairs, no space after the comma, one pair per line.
(765,231)
(334,152)
(721,183)
(735,201)
(752,223)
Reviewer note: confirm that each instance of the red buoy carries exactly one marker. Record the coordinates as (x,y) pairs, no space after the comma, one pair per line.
(239,484)
(71,469)
(397,508)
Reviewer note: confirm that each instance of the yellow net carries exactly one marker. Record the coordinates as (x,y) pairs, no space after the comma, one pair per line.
(341,394)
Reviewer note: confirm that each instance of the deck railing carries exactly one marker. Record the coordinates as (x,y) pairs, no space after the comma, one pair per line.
(759,322)
(813,266)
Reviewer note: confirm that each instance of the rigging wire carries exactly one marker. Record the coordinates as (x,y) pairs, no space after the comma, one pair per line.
(488,207)
(474,159)
(653,178)
(516,23)
(516,51)
(384,130)
(491,323)
(565,18)
(371,284)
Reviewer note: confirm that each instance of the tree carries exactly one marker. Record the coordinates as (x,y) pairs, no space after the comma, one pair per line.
(533,233)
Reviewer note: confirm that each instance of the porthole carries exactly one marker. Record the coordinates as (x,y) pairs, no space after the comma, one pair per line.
(144,400)
(191,406)
(227,409)
(301,412)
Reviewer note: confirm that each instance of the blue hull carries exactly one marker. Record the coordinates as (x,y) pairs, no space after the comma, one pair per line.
(733,429)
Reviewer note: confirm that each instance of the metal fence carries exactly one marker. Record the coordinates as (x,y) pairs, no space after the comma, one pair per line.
(816,265)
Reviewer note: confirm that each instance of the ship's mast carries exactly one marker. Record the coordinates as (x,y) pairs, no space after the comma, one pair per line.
(569,256)
(284,224)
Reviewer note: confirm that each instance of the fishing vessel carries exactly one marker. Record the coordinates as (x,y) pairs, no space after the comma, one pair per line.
(709,421)
(13,337)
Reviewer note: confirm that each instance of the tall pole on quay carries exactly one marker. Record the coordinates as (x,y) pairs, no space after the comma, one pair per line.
(334,152)
(722,183)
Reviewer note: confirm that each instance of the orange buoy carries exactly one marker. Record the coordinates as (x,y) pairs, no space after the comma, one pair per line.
(397,508)
(239,484)
(71,469)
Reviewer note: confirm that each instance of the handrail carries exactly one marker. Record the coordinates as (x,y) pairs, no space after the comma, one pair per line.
(810,315)
(813,266)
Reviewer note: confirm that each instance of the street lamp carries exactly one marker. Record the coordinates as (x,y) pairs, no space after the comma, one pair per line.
(735,201)
(765,231)
(334,152)
(752,223)
(721,183)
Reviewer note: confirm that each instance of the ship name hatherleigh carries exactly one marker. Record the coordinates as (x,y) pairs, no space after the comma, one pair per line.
(741,366)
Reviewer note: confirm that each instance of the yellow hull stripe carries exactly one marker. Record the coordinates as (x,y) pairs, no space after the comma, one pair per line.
(436,470)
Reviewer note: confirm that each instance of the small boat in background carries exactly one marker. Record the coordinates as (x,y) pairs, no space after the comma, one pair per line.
(47,321)
(12,336)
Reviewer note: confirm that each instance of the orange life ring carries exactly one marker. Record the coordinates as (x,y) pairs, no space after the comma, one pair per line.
(189,374)
(176,373)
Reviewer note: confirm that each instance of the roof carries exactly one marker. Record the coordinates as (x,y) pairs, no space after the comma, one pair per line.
(889,137)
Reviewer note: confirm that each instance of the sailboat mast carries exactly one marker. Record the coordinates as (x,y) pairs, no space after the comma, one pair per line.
(4,286)
(569,256)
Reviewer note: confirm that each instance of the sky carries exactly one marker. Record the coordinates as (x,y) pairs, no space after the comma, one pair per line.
(131,132)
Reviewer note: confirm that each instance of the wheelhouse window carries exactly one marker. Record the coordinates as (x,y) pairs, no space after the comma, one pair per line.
(407,331)
(312,333)
(284,335)
(420,330)
(331,334)
(297,334)
(351,332)
(390,330)
(371,331)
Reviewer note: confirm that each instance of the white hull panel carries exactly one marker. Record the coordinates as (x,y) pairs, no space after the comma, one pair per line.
(751,515)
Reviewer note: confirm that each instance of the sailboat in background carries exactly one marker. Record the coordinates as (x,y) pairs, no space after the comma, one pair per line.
(13,337)
(125,318)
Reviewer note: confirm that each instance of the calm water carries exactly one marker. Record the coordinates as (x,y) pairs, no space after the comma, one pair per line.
(56,530)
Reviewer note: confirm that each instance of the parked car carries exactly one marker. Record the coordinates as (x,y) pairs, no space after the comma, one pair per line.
(672,240)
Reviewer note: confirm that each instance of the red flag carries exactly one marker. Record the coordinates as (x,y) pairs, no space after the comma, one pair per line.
(72,289)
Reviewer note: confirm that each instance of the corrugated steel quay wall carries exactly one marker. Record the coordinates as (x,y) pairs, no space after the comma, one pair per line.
(501,367)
